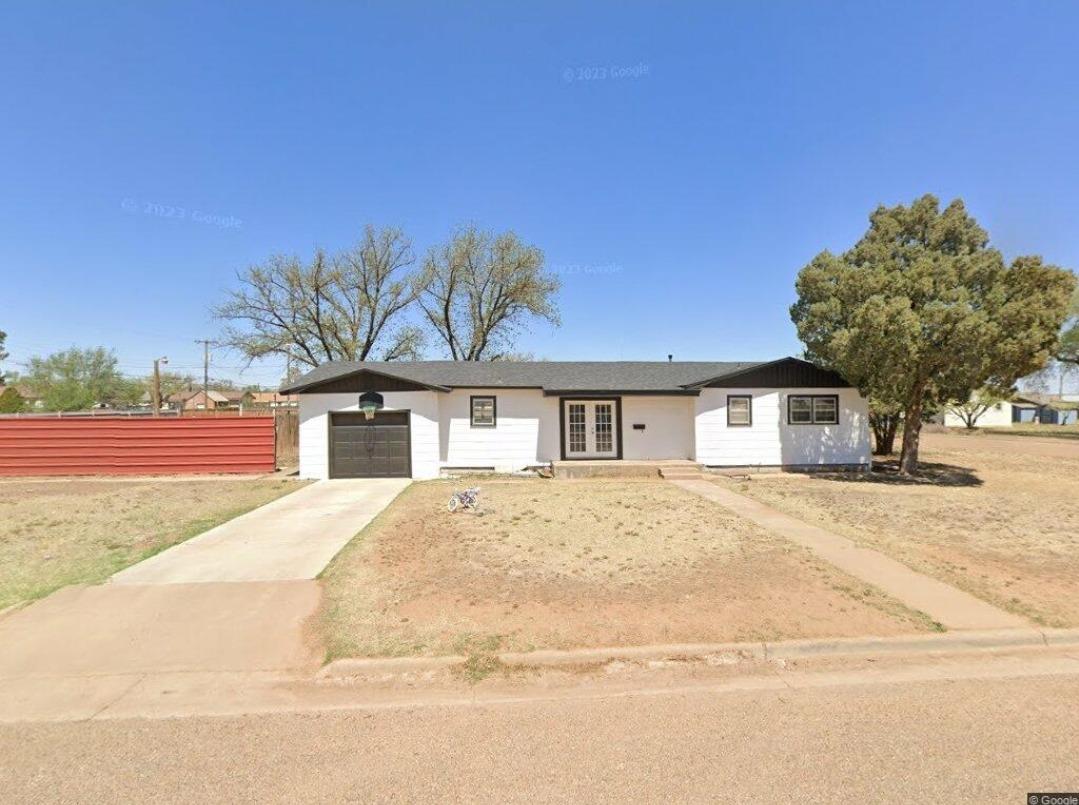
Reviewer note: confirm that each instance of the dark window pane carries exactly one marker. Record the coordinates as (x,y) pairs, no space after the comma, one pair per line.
(738,411)
(483,411)
(825,410)
(801,410)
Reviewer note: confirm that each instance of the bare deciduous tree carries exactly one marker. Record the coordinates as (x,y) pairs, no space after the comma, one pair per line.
(975,406)
(345,307)
(479,290)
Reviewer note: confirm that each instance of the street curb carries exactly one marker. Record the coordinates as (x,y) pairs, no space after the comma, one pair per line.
(361,666)
(721,653)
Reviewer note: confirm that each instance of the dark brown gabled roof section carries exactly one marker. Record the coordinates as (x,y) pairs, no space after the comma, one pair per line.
(783,373)
(358,377)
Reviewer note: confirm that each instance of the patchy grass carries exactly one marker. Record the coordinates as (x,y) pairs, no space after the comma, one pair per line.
(1045,431)
(56,533)
(563,564)
(985,516)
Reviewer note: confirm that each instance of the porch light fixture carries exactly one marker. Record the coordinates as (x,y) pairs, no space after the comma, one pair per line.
(370,402)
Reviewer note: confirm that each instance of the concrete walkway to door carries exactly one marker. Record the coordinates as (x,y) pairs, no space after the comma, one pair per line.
(948,606)
(293,537)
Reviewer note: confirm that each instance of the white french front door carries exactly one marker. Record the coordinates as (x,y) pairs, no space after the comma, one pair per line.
(591,428)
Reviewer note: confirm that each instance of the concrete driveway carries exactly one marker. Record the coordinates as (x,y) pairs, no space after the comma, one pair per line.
(235,600)
(292,538)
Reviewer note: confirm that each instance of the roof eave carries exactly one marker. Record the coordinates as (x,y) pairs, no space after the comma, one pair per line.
(700,384)
(300,388)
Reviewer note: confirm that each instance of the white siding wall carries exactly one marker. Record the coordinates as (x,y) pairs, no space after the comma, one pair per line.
(528,430)
(993,418)
(525,434)
(668,431)
(770,441)
(314,429)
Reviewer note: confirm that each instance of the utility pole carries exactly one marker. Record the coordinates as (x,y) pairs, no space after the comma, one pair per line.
(205,369)
(156,390)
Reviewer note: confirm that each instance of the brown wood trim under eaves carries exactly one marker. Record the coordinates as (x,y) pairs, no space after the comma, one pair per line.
(787,373)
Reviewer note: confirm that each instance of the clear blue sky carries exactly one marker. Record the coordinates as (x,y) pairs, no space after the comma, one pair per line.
(679,194)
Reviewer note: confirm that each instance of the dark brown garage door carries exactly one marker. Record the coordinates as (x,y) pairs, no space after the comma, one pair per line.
(370,448)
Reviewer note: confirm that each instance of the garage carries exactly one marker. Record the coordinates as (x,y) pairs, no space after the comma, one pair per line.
(370,448)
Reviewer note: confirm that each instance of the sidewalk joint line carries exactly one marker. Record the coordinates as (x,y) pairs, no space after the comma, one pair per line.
(138,680)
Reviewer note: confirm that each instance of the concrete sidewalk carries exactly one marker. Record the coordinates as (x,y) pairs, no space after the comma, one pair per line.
(293,537)
(952,608)
(82,648)
(123,629)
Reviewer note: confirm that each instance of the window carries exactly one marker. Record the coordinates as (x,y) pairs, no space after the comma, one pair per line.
(800,410)
(813,409)
(739,410)
(483,412)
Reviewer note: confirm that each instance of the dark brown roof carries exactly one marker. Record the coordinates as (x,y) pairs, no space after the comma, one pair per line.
(551,376)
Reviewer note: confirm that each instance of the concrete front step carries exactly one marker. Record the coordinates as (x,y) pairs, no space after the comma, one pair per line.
(682,468)
(683,471)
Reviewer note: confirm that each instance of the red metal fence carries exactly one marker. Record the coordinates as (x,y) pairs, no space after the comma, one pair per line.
(130,446)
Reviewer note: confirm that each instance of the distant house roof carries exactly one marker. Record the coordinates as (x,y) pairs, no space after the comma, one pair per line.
(1033,399)
(664,377)
(184,396)
(22,389)
(266,397)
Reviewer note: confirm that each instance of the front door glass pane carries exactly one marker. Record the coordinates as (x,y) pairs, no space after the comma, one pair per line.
(604,429)
(577,428)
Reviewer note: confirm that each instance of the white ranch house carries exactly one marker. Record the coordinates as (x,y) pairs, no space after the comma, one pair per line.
(426,417)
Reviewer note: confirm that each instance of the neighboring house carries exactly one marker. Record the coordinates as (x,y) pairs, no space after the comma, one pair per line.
(272,400)
(1045,409)
(228,399)
(198,400)
(998,415)
(236,399)
(507,416)
(29,397)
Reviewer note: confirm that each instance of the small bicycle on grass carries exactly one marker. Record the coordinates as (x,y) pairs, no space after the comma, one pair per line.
(468,499)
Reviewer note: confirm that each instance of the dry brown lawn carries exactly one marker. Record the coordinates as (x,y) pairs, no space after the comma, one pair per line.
(990,517)
(582,563)
(1038,431)
(54,533)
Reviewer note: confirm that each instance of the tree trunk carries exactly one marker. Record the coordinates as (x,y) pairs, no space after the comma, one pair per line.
(912,432)
(884,428)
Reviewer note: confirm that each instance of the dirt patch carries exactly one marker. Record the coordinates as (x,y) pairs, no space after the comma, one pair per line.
(1063,443)
(562,564)
(53,534)
(1000,523)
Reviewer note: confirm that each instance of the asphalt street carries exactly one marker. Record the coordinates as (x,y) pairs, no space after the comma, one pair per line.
(976,740)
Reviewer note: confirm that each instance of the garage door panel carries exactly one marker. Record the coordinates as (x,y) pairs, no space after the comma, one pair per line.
(378,448)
